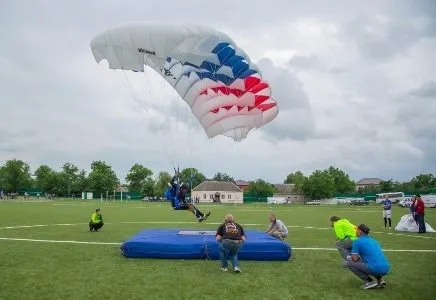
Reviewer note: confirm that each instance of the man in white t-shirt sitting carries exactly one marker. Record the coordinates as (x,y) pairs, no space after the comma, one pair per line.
(277,228)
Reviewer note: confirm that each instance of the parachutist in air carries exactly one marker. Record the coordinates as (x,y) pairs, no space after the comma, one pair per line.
(177,194)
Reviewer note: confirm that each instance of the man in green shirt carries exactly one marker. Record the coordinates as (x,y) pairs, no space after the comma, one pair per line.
(96,221)
(345,235)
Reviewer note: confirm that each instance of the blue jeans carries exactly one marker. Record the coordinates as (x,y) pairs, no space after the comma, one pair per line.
(228,249)
(421,223)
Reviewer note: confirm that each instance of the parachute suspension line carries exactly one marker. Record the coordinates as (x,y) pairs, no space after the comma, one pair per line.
(161,128)
(130,87)
(145,107)
(167,112)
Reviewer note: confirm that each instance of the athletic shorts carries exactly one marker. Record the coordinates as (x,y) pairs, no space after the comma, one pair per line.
(387,213)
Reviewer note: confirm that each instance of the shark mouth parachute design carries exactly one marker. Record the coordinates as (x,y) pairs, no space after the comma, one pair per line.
(216,78)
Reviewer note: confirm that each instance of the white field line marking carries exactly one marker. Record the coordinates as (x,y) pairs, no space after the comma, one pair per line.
(67,204)
(24,201)
(181,222)
(119,244)
(385,250)
(54,241)
(103,205)
(42,225)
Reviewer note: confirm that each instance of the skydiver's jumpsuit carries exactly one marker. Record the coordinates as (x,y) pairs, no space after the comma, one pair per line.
(177,197)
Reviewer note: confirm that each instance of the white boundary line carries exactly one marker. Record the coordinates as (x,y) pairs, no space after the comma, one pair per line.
(55,241)
(42,225)
(181,222)
(119,244)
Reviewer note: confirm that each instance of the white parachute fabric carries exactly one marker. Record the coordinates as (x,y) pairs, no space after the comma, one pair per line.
(223,88)
(408,224)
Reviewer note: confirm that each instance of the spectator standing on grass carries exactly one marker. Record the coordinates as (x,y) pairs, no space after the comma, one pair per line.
(412,209)
(345,235)
(419,212)
(367,259)
(387,211)
(96,222)
(277,228)
(230,236)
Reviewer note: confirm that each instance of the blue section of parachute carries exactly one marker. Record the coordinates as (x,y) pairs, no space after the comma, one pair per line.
(225,54)
(171,244)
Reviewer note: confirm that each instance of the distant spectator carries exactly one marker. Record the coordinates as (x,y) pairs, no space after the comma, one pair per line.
(96,221)
(412,209)
(230,236)
(419,211)
(277,228)
(387,211)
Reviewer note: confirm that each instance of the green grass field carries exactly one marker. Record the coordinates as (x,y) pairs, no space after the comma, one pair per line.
(49,270)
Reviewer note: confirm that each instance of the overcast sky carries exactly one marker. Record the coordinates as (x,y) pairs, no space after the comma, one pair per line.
(355,82)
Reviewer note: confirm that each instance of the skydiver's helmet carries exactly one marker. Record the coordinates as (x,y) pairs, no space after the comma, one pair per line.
(184,187)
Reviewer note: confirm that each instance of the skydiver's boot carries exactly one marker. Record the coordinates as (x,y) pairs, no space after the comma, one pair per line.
(198,214)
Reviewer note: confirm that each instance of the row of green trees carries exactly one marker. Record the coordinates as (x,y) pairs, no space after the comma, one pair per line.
(16,176)
(325,184)
(333,181)
(320,184)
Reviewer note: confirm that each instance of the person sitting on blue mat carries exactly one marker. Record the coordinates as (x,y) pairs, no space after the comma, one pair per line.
(177,195)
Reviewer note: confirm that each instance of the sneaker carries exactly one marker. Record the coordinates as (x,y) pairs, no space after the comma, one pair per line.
(369,285)
(207,215)
(224,269)
(381,284)
(201,219)
(237,270)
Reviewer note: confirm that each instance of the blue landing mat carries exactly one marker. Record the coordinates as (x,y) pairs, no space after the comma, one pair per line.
(197,244)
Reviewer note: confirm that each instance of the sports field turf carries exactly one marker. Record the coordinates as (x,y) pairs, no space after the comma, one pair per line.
(40,268)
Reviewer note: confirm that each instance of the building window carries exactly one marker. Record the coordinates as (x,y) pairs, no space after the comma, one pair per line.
(223,196)
(211,196)
(204,196)
(229,196)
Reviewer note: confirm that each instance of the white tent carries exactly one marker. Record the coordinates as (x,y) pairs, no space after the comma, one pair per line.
(407,223)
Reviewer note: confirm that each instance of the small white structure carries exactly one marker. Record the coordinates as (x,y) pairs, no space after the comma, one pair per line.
(287,191)
(218,192)
(277,200)
(87,195)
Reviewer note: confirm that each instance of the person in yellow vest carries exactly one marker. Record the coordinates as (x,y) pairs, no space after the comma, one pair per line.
(345,235)
(96,222)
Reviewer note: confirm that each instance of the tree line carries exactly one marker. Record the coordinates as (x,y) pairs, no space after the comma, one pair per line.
(16,176)
(323,184)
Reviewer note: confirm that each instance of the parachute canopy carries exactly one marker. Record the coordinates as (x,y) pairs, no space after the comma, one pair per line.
(216,78)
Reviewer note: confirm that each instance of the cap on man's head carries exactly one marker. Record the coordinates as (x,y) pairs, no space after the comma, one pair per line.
(418,195)
(334,218)
(363,228)
(98,209)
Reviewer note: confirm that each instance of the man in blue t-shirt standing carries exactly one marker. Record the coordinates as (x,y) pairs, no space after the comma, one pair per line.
(367,259)
(387,211)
